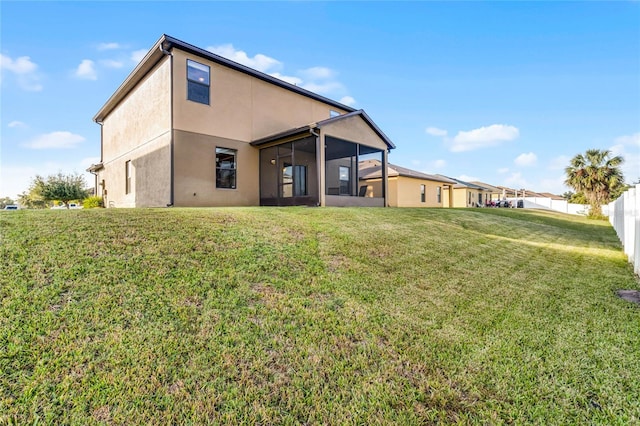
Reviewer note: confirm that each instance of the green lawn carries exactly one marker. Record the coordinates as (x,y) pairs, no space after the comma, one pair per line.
(315,316)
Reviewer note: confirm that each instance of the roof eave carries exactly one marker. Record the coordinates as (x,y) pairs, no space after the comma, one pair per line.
(154,55)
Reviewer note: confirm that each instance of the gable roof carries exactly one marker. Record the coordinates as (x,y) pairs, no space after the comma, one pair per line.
(164,45)
(371,169)
(309,127)
(463,184)
(486,186)
(550,195)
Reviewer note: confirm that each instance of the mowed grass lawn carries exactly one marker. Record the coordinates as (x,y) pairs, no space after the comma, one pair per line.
(315,316)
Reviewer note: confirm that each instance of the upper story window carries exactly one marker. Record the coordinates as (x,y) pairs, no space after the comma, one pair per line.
(198,82)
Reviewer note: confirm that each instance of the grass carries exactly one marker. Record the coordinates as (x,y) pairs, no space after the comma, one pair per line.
(315,316)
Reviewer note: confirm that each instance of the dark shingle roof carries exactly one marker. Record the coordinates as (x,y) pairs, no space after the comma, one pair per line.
(371,169)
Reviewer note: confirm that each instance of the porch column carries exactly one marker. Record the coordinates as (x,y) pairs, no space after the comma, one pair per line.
(385,179)
(320,166)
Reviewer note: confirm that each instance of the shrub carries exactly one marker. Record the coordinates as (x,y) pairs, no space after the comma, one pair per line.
(92,202)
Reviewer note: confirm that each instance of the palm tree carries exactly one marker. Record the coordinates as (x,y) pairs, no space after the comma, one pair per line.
(597,174)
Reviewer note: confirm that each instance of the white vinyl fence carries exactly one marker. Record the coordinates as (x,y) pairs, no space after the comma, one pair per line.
(545,203)
(624,215)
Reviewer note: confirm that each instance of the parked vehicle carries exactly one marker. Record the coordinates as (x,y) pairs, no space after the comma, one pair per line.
(503,203)
(11,207)
(63,207)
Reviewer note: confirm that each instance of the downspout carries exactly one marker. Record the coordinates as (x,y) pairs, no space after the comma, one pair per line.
(171,162)
(318,164)
(95,187)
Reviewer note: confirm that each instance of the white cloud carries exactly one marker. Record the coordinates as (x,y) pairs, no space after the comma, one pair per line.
(503,170)
(55,140)
(109,46)
(110,63)
(516,181)
(86,162)
(318,73)
(259,61)
(25,71)
(467,178)
(559,162)
(17,125)
(318,79)
(483,137)
(86,70)
(632,140)
(289,79)
(15,179)
(526,159)
(324,88)
(434,131)
(627,148)
(347,100)
(438,164)
(554,185)
(138,55)
(21,65)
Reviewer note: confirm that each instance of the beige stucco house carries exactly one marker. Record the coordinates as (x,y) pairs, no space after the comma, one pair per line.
(467,194)
(407,188)
(191,128)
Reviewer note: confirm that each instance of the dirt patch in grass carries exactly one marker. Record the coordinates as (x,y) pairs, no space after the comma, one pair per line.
(630,296)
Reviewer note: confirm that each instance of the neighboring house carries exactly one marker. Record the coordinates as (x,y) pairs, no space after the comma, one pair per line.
(407,188)
(467,194)
(491,193)
(191,128)
(550,195)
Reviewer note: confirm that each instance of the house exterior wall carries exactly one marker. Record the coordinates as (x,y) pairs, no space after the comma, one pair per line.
(408,192)
(461,197)
(242,107)
(138,129)
(354,129)
(195,172)
(393,191)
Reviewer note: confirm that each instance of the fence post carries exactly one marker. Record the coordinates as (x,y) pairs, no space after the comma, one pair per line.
(636,242)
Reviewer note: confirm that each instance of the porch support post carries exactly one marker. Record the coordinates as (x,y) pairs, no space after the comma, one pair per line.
(385,178)
(450,195)
(320,163)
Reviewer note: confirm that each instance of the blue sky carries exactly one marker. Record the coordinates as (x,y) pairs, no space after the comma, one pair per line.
(503,92)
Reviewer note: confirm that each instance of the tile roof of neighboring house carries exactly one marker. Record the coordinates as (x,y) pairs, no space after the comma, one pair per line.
(487,186)
(311,126)
(166,43)
(552,196)
(463,184)
(372,169)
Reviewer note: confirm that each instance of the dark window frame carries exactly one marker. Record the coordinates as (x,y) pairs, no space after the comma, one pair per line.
(198,83)
(423,193)
(345,184)
(226,177)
